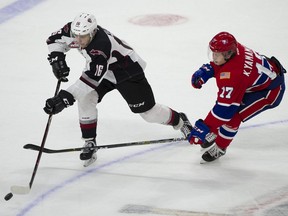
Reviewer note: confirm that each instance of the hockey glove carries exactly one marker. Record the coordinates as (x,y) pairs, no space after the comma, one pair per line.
(59,66)
(202,75)
(199,132)
(56,104)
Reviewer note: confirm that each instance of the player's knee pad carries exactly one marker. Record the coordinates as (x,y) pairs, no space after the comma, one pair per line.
(87,106)
(157,114)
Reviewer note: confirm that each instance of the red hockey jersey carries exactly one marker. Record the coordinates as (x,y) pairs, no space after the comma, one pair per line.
(246,72)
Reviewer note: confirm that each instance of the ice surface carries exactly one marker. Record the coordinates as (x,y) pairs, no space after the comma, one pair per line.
(160,179)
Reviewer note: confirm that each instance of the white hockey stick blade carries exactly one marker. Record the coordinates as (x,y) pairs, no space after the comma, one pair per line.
(20,189)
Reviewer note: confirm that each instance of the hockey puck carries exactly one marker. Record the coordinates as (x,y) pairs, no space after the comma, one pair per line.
(8,196)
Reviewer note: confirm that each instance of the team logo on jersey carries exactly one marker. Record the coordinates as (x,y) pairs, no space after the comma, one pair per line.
(225,75)
(97,52)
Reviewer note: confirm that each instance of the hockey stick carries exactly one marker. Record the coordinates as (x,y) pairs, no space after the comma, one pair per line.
(26,189)
(52,151)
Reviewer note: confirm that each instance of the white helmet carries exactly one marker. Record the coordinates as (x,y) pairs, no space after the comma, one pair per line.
(84,24)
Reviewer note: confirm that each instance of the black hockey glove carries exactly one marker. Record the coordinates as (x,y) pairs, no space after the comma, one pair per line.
(59,66)
(56,104)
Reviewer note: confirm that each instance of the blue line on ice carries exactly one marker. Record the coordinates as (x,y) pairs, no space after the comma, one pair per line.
(16,8)
(63,184)
(46,194)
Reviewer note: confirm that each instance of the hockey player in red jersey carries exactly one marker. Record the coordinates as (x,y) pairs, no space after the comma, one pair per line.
(110,64)
(248,84)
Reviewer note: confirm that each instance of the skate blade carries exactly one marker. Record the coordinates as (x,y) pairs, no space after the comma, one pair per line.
(209,162)
(203,150)
(203,162)
(90,161)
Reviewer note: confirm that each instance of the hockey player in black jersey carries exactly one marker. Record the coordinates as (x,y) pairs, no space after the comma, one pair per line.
(110,64)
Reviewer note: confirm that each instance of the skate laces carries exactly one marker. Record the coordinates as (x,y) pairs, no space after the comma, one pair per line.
(89,146)
(216,152)
(185,130)
(187,127)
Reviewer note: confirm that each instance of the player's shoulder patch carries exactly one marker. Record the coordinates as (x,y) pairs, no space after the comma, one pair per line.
(95,52)
(225,75)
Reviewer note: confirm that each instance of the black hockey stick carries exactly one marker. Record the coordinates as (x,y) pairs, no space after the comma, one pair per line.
(52,151)
(26,189)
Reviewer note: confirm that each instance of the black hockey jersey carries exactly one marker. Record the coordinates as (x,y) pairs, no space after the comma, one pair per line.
(107,57)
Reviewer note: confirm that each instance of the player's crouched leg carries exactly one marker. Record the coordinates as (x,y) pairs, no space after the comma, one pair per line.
(161,114)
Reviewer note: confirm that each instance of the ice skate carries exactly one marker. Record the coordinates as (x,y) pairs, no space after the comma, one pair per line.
(89,152)
(212,154)
(185,127)
(209,141)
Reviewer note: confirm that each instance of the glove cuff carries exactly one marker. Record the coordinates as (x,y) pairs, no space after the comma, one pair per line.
(67,98)
(54,54)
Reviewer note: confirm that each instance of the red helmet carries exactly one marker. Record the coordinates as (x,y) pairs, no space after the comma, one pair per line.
(223,42)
